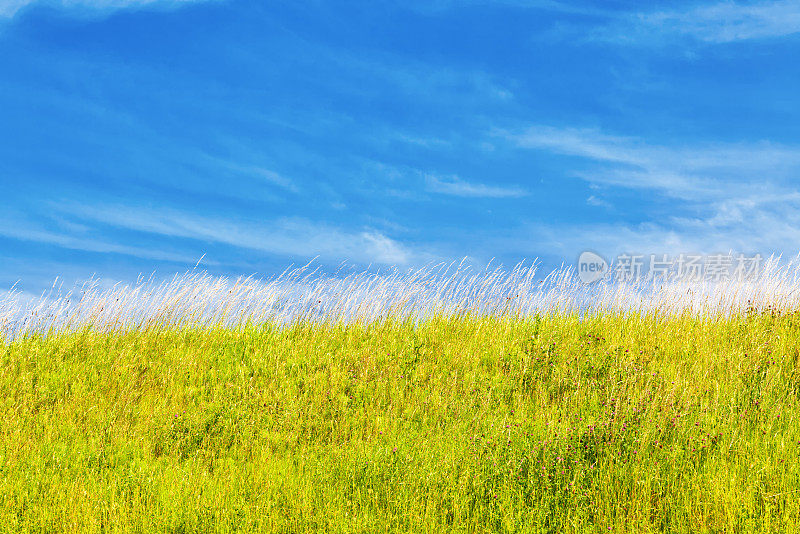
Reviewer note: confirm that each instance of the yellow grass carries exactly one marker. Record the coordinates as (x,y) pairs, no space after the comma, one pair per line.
(432,415)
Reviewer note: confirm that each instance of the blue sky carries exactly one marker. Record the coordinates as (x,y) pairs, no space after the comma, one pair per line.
(138,136)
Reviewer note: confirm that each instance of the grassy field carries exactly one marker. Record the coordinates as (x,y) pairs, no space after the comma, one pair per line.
(614,422)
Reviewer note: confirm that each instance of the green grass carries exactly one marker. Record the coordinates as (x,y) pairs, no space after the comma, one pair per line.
(611,423)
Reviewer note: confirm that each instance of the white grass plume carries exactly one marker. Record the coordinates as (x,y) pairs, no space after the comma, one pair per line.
(306,294)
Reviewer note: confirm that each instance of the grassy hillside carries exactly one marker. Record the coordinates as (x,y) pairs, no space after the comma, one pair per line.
(609,423)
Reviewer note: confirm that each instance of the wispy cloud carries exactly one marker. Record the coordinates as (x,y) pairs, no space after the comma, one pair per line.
(598,202)
(543,5)
(732,196)
(768,225)
(255,172)
(767,228)
(718,22)
(9,8)
(23,232)
(453,185)
(686,172)
(711,22)
(287,236)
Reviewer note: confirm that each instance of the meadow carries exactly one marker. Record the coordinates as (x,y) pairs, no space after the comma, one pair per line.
(495,403)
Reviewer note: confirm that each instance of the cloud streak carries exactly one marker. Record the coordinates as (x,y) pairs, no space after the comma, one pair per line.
(714,23)
(453,185)
(689,173)
(288,236)
(9,8)
(434,6)
(736,196)
(17,230)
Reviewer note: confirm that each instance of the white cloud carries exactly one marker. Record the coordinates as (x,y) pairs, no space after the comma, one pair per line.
(712,22)
(598,202)
(434,6)
(291,237)
(731,21)
(686,172)
(719,22)
(253,171)
(22,232)
(734,196)
(453,185)
(9,8)
(767,228)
